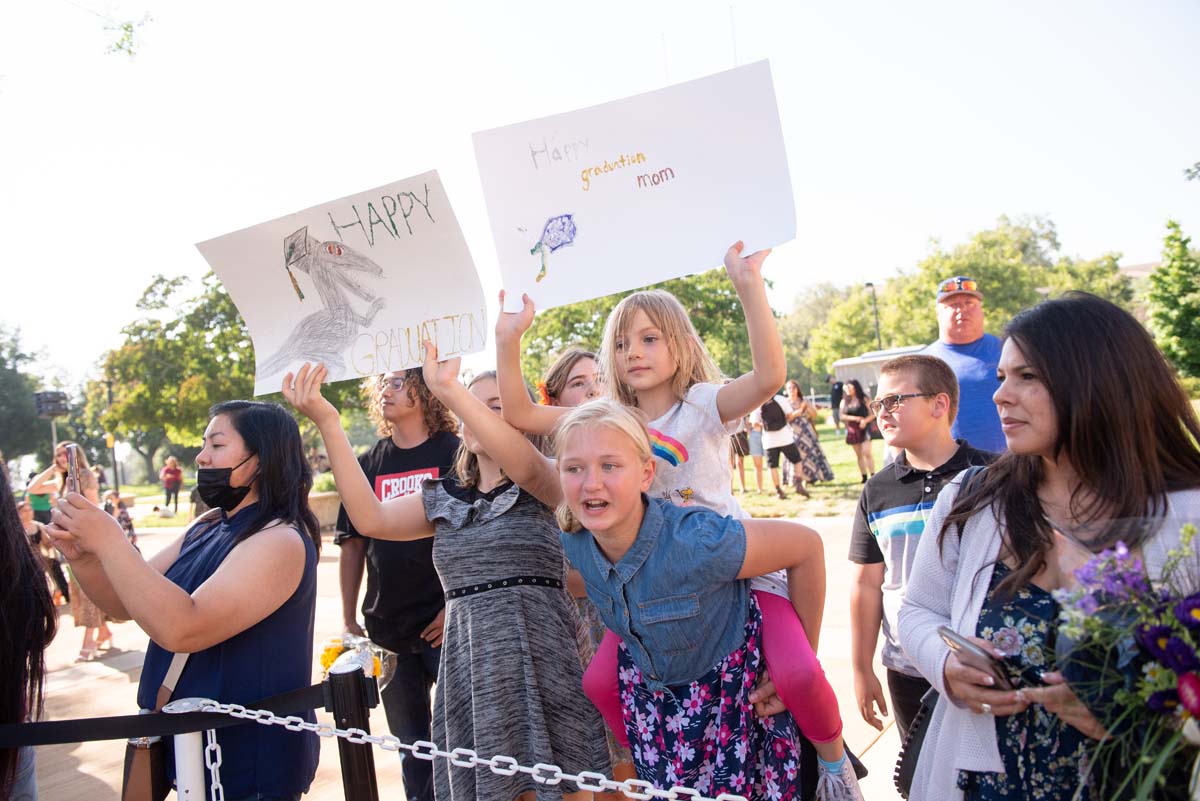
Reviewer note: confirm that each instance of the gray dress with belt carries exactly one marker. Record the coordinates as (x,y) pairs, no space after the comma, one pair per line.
(510,681)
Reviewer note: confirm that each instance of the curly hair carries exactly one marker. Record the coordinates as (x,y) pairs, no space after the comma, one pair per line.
(437,417)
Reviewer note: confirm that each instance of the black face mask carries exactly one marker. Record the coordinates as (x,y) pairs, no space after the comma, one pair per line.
(213,485)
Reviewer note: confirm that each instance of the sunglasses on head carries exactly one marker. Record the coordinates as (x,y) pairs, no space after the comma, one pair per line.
(959,285)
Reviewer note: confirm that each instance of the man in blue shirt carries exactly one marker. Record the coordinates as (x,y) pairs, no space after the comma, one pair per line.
(973,356)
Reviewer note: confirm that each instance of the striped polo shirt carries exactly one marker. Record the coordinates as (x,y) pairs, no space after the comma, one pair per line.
(888,525)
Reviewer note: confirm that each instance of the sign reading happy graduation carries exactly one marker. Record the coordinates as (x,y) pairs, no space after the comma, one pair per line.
(357,283)
(637,191)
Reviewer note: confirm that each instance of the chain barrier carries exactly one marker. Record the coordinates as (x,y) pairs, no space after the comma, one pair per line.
(212,760)
(541,773)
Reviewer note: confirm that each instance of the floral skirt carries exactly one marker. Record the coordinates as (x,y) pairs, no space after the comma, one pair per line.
(706,735)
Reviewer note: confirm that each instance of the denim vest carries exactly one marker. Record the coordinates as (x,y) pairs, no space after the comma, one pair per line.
(674,597)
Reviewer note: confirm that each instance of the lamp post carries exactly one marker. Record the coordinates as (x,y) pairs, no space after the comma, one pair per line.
(113,444)
(875,305)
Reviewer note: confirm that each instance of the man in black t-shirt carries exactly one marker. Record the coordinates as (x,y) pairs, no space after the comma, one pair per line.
(404,607)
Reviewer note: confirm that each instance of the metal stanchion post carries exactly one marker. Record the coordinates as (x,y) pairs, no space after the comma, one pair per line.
(349,695)
(189,765)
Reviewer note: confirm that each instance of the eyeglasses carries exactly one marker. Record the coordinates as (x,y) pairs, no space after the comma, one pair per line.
(397,382)
(958,285)
(890,403)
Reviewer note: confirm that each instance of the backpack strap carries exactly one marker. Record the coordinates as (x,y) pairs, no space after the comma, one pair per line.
(969,476)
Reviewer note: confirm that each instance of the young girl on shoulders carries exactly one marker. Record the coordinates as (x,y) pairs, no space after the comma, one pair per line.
(671,582)
(652,358)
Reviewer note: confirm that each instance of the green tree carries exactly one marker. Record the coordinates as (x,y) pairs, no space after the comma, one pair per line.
(810,310)
(21,432)
(1175,302)
(191,351)
(848,331)
(1017,263)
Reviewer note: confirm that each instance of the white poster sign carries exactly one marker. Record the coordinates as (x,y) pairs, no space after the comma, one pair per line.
(639,190)
(357,283)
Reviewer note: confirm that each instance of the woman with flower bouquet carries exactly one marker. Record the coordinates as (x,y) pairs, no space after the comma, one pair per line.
(1099,433)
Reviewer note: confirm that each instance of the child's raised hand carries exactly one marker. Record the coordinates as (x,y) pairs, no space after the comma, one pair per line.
(511,325)
(745,268)
(439,376)
(304,393)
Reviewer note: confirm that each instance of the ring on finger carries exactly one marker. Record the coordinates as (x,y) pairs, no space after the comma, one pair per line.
(985,709)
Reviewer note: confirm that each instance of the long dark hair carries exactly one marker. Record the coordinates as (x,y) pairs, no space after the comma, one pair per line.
(1124,423)
(284,475)
(27,625)
(860,397)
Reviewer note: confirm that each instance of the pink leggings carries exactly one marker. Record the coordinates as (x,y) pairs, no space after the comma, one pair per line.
(799,679)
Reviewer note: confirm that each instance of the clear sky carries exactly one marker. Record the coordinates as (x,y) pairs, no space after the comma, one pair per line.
(904,122)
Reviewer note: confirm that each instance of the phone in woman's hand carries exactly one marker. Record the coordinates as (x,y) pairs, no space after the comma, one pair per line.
(972,655)
(74,467)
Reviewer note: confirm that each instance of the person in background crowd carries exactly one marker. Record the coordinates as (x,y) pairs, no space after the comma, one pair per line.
(1102,447)
(172,479)
(236,593)
(101,481)
(116,507)
(404,607)
(813,466)
(199,507)
(973,356)
(39,502)
(857,417)
(754,436)
(317,460)
(27,625)
(739,449)
(50,557)
(836,390)
(86,614)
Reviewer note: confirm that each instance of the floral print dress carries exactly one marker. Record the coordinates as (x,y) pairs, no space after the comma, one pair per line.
(1044,758)
(706,735)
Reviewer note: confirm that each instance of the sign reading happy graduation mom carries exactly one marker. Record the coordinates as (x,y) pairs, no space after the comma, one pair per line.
(357,283)
(637,191)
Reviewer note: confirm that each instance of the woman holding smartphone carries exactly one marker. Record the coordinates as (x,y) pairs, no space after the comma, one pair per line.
(1099,433)
(87,616)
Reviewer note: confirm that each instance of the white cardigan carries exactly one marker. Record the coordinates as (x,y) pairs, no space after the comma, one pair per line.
(948,588)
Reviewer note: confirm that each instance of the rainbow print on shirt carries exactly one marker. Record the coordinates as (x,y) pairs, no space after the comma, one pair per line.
(669,449)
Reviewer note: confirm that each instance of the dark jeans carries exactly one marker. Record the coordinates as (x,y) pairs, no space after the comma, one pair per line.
(42,516)
(906,692)
(171,494)
(406,703)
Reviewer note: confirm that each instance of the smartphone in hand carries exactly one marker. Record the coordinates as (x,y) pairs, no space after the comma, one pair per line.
(74,467)
(973,655)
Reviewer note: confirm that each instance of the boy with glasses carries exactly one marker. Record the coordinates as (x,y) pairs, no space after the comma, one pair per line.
(915,406)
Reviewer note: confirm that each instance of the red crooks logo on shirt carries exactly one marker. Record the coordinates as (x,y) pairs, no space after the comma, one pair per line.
(396,485)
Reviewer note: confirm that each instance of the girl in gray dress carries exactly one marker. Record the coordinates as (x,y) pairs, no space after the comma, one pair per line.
(510,681)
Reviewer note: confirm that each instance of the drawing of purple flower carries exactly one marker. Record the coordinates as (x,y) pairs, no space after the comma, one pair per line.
(1187,611)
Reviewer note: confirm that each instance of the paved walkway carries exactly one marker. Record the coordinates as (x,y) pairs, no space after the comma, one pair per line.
(108,686)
